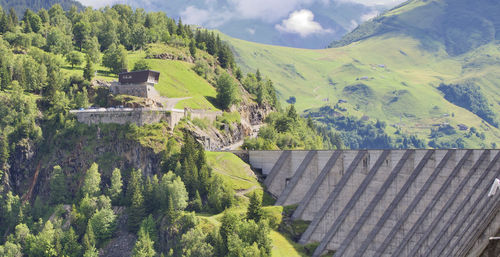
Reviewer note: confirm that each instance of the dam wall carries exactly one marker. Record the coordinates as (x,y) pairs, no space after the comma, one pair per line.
(388,202)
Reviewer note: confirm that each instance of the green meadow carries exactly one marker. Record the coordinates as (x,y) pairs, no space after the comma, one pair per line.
(391,78)
(177,80)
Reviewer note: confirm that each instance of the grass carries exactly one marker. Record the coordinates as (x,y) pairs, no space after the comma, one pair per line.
(401,75)
(233,170)
(242,179)
(284,247)
(177,79)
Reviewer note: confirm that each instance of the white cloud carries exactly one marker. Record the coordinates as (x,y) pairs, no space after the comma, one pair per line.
(369,16)
(251,31)
(210,18)
(193,15)
(302,22)
(353,25)
(267,10)
(100,3)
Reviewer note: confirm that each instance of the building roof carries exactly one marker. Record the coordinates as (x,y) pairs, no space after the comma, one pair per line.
(134,77)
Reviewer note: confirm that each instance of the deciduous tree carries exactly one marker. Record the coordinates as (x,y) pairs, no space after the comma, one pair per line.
(226,91)
(115,58)
(92,181)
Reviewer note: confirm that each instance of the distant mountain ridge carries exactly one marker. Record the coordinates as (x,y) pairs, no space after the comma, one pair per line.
(336,17)
(461,25)
(21,5)
(427,68)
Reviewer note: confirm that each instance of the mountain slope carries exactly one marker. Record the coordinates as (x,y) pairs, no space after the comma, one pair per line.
(393,72)
(257,22)
(461,25)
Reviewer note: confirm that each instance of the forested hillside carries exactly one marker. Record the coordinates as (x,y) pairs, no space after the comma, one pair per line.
(425,69)
(20,6)
(69,189)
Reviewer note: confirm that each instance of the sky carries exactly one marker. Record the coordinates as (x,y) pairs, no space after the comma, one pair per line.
(287,16)
(250,3)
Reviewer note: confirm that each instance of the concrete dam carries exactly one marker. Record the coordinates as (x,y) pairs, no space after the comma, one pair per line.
(389,202)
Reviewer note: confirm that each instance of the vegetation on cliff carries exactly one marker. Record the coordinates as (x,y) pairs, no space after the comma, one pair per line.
(75,190)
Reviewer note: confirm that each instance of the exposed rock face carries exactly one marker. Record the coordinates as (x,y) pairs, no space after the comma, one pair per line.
(254,114)
(108,150)
(21,160)
(170,56)
(213,139)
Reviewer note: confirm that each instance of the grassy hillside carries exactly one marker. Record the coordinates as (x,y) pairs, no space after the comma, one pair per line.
(460,25)
(242,179)
(177,79)
(390,78)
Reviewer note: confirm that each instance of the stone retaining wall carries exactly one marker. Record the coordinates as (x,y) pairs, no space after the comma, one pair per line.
(140,116)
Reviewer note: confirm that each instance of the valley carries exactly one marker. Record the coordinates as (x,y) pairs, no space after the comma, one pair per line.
(387,75)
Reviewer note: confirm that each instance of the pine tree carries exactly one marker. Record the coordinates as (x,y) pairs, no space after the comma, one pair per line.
(4,151)
(136,211)
(70,244)
(13,17)
(144,247)
(238,74)
(255,211)
(134,184)
(4,76)
(192,48)
(211,44)
(149,226)
(115,191)
(89,70)
(92,181)
(292,113)
(258,75)
(197,203)
(4,23)
(225,56)
(91,252)
(229,223)
(180,28)
(170,214)
(149,201)
(261,94)
(89,238)
(58,190)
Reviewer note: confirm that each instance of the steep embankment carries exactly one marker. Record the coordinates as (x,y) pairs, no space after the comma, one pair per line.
(110,146)
(393,74)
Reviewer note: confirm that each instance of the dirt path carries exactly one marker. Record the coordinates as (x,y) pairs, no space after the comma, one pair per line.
(245,191)
(169,103)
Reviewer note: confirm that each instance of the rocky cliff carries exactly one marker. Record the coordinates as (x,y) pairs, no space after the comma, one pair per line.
(110,147)
(231,136)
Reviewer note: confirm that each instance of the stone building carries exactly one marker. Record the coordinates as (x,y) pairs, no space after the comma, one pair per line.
(137,83)
(140,84)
